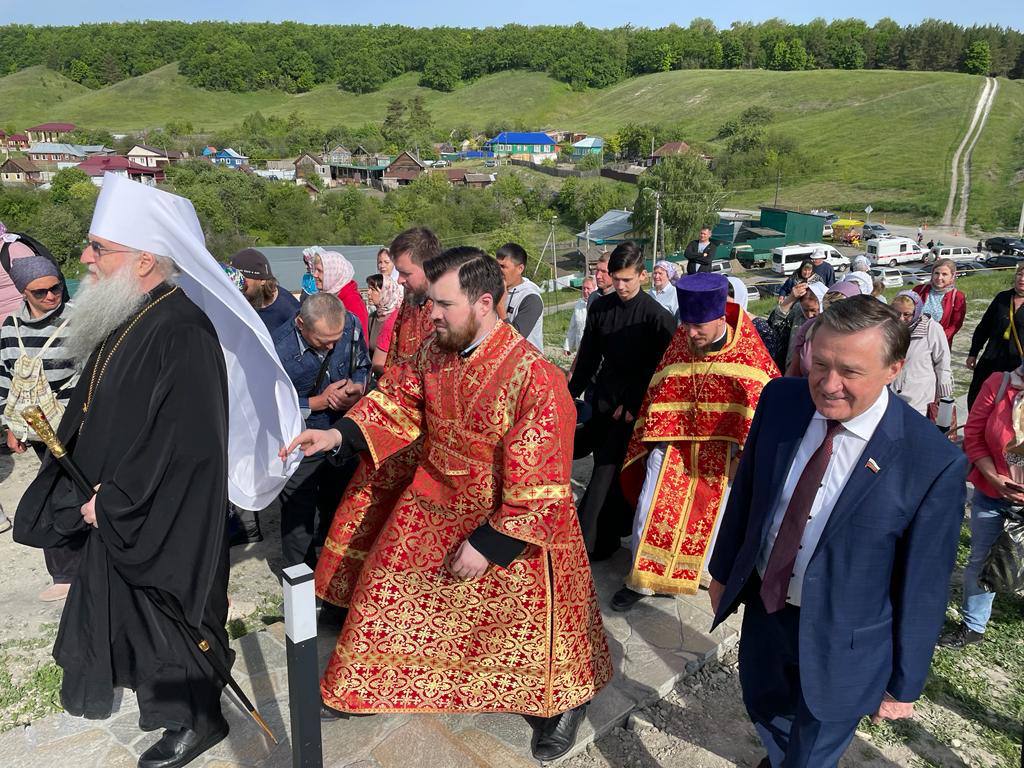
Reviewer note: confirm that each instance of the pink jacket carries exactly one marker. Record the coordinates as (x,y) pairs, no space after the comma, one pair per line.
(989,428)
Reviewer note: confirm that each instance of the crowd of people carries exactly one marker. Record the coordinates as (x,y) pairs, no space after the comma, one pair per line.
(419,447)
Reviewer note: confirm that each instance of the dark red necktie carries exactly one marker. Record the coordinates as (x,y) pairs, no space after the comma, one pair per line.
(775,583)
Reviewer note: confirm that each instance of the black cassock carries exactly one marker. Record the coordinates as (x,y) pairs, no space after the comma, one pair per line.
(155,437)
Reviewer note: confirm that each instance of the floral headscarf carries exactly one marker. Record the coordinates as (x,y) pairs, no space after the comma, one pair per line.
(918,304)
(391,295)
(670,269)
(338,271)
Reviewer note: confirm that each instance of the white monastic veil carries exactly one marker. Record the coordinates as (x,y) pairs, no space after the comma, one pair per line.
(263,406)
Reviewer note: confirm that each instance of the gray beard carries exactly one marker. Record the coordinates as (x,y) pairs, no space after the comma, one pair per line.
(100,306)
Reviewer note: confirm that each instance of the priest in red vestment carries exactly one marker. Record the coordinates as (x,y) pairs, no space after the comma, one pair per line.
(692,425)
(476,596)
(374,489)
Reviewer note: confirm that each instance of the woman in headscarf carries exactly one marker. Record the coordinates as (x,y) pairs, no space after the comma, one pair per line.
(863,281)
(386,266)
(800,360)
(333,273)
(926,375)
(738,294)
(804,274)
(799,306)
(385,297)
(663,288)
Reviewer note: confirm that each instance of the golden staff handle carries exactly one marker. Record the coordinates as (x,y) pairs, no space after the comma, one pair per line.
(35,418)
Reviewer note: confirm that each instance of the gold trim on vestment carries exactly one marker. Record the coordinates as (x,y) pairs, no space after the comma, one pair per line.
(730,370)
(535,493)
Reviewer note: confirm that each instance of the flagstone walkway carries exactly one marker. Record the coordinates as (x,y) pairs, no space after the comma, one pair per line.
(653,646)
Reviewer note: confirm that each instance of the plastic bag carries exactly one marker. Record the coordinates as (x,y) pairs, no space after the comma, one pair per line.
(1003,570)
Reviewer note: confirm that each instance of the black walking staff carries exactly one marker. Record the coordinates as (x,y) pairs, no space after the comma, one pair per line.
(36,419)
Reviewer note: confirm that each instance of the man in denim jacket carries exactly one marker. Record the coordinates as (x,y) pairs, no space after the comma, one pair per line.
(324,353)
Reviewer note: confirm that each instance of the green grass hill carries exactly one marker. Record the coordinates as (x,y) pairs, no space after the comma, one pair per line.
(880,137)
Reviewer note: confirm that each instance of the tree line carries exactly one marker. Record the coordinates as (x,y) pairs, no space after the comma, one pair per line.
(298,57)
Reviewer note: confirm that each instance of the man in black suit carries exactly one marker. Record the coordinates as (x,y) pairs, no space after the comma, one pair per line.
(840,543)
(700,253)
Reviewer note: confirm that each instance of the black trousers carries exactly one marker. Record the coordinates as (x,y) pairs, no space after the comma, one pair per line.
(605,515)
(308,502)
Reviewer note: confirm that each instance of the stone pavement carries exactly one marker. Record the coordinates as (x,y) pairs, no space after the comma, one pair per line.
(659,641)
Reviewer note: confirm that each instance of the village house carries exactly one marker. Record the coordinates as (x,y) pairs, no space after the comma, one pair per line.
(455,175)
(15,142)
(49,132)
(227,157)
(591,145)
(48,152)
(402,171)
(479,180)
(535,147)
(674,149)
(153,157)
(338,156)
(118,165)
(19,170)
(308,166)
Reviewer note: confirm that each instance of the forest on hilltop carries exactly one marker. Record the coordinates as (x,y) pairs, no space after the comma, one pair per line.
(295,58)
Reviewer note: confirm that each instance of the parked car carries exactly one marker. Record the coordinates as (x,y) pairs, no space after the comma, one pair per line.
(1008,245)
(825,214)
(753,293)
(954,252)
(1004,261)
(786,258)
(968,268)
(891,276)
(826,231)
(914,276)
(870,231)
(721,266)
(891,251)
(441,164)
(490,163)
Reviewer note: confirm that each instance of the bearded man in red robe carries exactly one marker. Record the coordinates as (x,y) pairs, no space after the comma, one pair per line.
(476,595)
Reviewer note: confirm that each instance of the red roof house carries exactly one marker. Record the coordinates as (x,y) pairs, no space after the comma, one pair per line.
(97,165)
(49,132)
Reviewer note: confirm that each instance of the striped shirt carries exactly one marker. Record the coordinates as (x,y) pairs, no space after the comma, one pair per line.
(60,371)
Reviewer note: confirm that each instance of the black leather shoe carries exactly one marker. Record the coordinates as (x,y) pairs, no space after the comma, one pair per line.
(180,747)
(330,713)
(625,599)
(557,735)
(960,637)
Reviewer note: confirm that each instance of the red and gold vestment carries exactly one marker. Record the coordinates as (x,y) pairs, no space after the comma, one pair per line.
(698,407)
(497,431)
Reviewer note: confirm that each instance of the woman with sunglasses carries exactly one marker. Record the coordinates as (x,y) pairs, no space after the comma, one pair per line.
(37,331)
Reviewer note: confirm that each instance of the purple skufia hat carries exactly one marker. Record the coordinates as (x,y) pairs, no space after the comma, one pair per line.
(702,297)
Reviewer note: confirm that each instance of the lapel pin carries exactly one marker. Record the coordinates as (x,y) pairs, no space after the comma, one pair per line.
(873,466)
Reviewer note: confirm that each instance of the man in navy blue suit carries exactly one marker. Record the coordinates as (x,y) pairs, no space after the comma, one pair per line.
(839,539)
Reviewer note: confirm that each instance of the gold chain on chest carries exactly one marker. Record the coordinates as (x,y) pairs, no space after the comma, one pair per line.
(98,370)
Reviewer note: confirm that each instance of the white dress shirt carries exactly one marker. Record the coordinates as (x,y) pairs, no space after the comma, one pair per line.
(847,448)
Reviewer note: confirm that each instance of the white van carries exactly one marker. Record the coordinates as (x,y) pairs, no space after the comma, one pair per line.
(786,259)
(954,252)
(890,251)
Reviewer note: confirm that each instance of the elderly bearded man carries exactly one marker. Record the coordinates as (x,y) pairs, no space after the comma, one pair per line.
(476,596)
(149,423)
(694,421)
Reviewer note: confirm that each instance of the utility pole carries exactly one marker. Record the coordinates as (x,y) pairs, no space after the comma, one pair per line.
(778,183)
(657,221)
(1020,224)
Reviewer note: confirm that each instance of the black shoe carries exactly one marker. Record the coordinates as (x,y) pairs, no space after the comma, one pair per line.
(960,637)
(180,747)
(557,735)
(327,714)
(241,537)
(625,599)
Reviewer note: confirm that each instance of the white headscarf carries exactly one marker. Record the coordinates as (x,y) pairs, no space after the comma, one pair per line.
(263,409)
(863,281)
(740,294)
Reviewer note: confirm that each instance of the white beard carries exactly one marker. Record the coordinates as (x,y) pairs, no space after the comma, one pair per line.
(101,305)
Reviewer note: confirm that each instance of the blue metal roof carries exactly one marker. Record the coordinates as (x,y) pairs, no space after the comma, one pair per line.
(611,226)
(591,142)
(512,137)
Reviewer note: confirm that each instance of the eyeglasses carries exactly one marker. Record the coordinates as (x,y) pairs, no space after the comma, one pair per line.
(100,250)
(42,293)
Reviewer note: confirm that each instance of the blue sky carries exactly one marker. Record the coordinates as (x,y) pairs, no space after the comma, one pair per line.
(600,13)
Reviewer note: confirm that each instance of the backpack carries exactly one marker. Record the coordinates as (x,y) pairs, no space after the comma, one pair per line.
(30,387)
